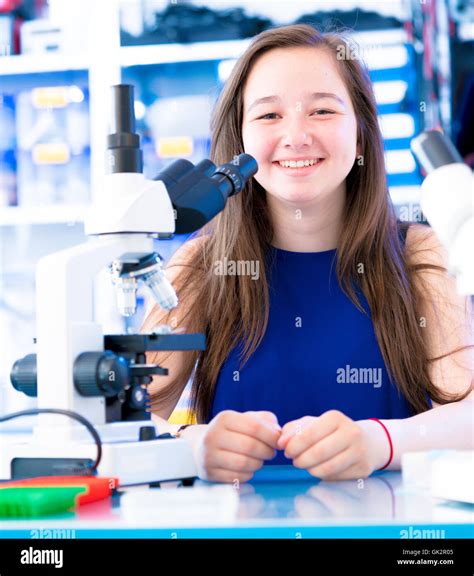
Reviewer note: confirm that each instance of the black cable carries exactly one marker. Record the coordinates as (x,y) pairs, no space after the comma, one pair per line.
(73,415)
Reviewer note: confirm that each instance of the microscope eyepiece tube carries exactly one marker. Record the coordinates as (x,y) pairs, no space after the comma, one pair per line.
(123,144)
(198,193)
(232,177)
(247,166)
(123,118)
(432,150)
(206,167)
(173,174)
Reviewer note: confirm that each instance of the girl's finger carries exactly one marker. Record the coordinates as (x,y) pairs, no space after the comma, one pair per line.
(266,416)
(323,451)
(243,444)
(335,466)
(357,471)
(234,462)
(249,425)
(293,428)
(310,435)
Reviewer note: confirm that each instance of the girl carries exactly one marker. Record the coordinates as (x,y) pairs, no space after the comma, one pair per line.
(347,344)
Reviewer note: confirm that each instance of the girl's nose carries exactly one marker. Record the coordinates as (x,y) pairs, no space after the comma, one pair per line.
(296,137)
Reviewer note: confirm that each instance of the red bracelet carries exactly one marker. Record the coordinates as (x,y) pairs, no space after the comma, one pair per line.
(389,441)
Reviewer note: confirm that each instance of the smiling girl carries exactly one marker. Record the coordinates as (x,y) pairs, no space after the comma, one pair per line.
(351,345)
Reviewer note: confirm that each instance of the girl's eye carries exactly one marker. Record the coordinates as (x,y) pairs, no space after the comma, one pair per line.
(266,116)
(316,112)
(323,112)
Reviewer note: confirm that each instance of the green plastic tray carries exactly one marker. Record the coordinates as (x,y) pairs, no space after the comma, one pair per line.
(31,502)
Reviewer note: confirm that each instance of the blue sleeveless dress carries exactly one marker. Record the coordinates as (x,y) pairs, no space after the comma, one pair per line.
(319,351)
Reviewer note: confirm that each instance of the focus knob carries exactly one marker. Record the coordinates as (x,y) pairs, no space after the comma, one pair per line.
(23,375)
(100,374)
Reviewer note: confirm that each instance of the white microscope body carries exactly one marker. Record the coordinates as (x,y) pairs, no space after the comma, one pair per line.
(119,223)
(67,372)
(447,200)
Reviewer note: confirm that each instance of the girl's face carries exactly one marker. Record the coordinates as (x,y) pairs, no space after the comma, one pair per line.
(297,109)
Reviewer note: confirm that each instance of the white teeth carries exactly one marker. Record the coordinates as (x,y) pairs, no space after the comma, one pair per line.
(297,164)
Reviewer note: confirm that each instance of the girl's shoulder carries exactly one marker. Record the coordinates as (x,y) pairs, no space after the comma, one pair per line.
(413,233)
(447,314)
(422,244)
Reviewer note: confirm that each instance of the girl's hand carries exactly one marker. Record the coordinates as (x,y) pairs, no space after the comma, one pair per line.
(234,445)
(334,447)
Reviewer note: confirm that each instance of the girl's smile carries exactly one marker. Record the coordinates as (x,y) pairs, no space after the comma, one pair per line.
(297,168)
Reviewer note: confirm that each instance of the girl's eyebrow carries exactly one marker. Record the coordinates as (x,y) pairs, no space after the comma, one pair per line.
(313,96)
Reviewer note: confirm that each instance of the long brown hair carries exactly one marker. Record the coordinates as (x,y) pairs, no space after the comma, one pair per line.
(233,308)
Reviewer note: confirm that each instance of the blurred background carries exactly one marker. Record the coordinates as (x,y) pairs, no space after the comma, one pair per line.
(58,60)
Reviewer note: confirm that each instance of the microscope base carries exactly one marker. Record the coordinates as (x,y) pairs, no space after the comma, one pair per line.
(161,460)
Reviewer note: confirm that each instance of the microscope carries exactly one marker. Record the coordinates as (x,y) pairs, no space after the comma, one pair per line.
(103,377)
(447,200)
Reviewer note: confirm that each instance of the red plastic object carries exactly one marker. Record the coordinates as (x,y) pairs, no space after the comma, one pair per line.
(97,488)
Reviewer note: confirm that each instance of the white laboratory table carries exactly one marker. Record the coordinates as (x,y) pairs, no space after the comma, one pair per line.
(279,502)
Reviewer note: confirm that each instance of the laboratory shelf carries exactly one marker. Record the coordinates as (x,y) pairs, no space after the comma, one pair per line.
(55,214)
(163,54)
(25,64)
(129,56)
(172,53)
